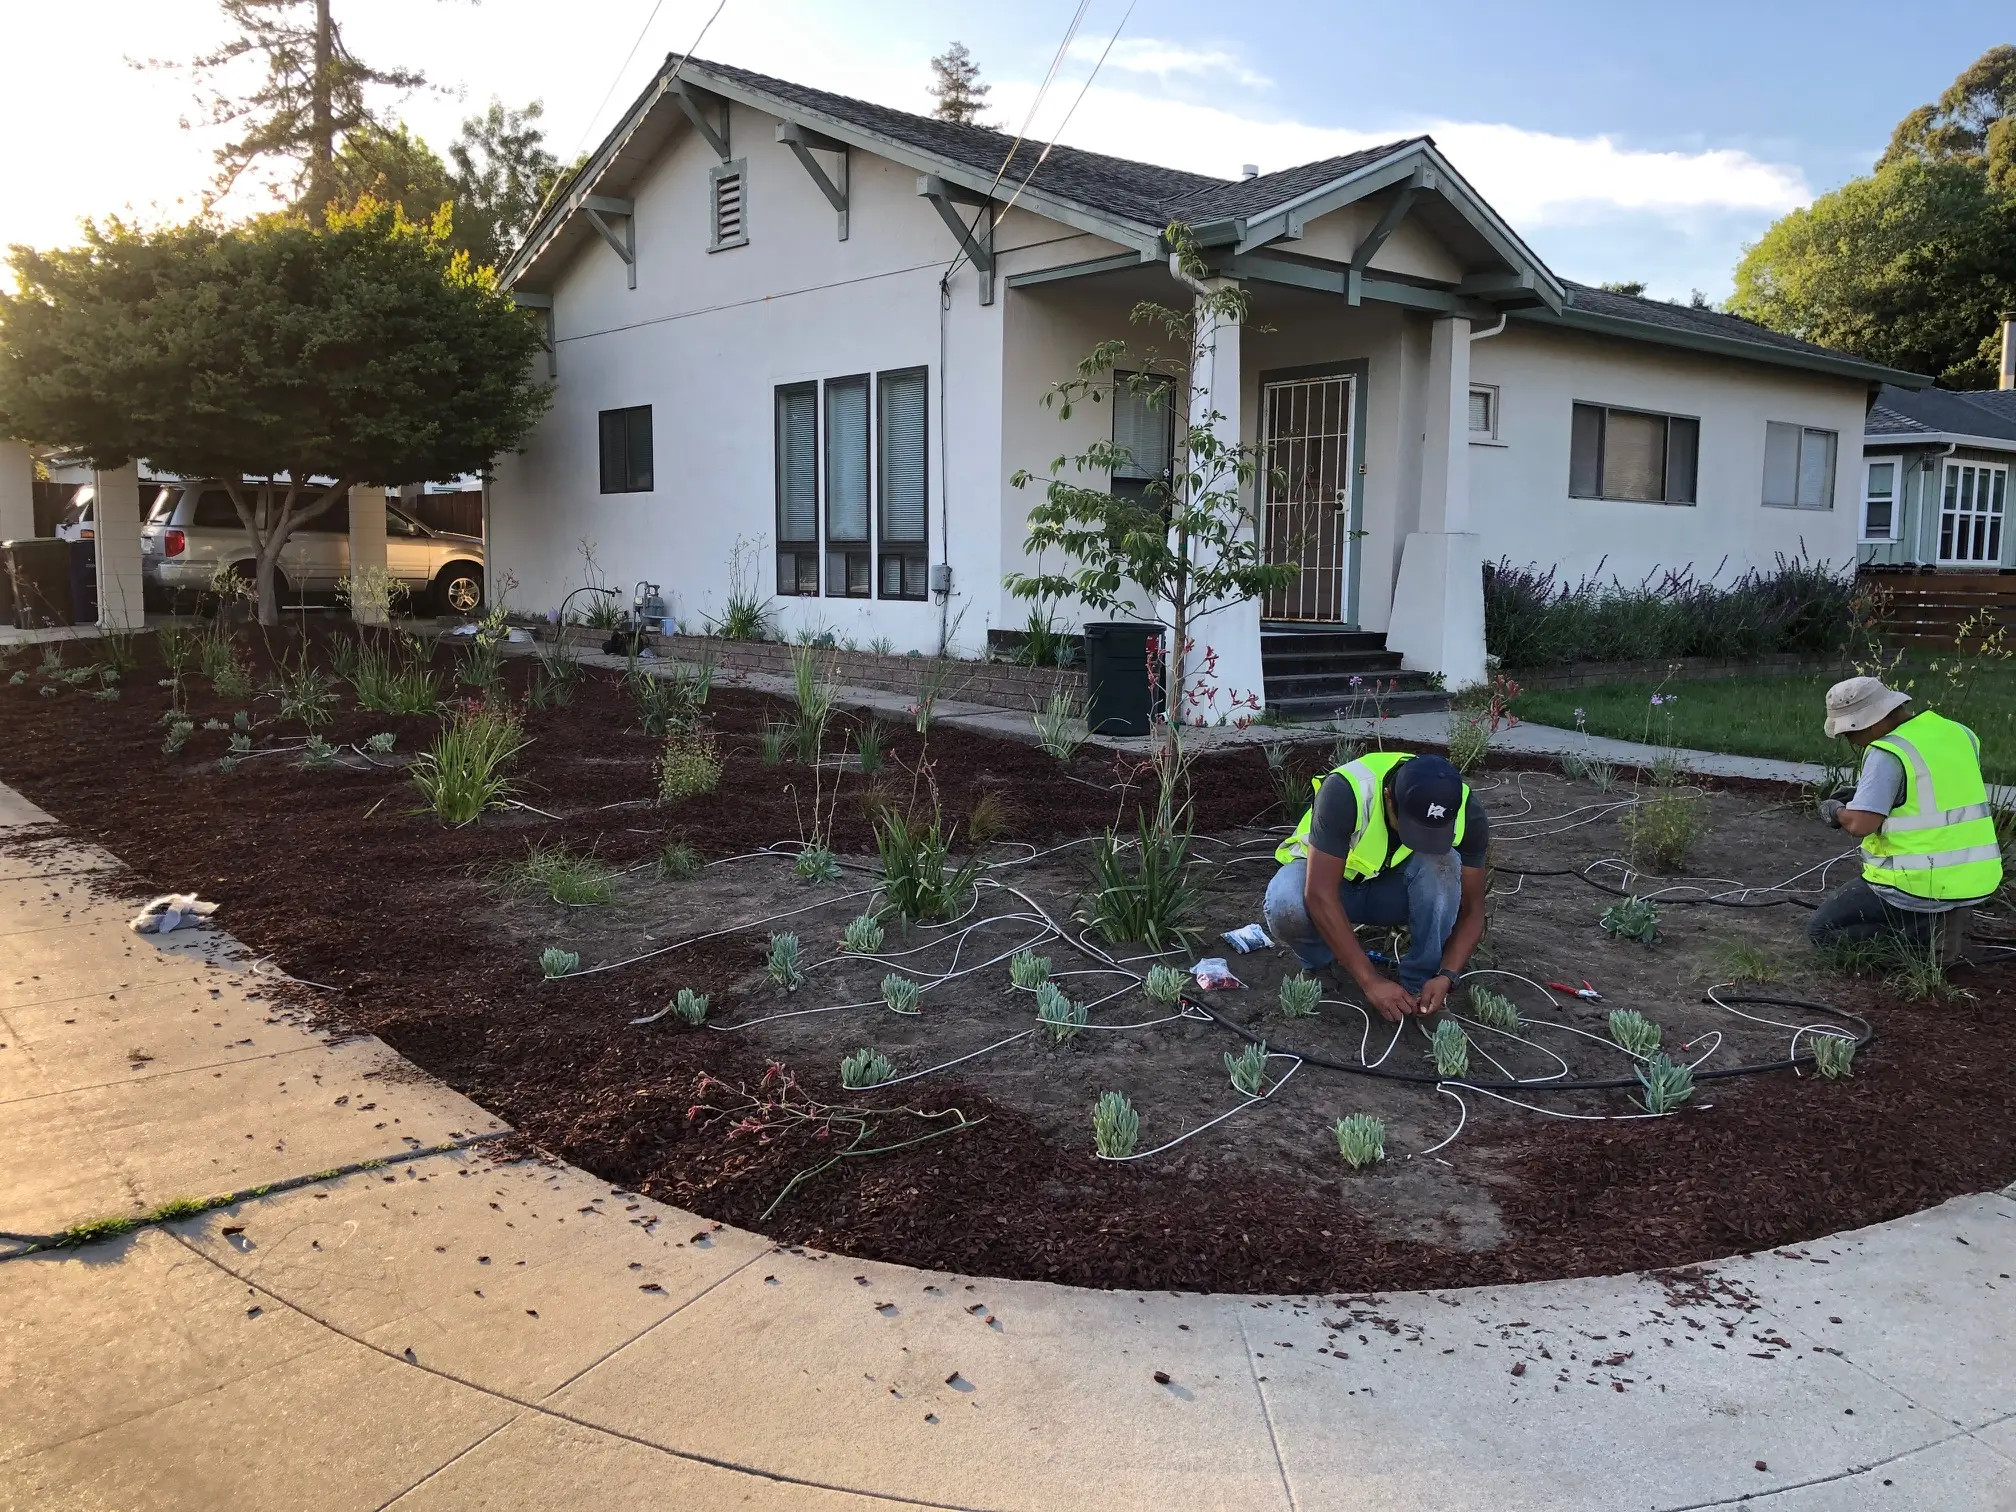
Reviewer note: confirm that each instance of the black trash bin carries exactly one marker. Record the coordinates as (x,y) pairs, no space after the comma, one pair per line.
(39,568)
(83,582)
(1119,678)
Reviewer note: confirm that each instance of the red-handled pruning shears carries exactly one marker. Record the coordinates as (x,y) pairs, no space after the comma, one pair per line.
(1585,992)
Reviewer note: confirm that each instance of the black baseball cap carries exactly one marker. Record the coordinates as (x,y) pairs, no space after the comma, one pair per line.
(1427,796)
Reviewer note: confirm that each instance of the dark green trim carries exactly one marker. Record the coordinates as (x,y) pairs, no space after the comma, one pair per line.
(1091,268)
(1834,363)
(1359,370)
(1336,278)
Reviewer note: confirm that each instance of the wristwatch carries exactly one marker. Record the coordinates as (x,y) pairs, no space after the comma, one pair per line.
(1455,977)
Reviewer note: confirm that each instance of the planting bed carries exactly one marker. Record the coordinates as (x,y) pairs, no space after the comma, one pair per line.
(414,929)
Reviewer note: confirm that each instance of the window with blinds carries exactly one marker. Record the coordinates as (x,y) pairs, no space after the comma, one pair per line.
(1798,466)
(1633,456)
(731,209)
(626,449)
(903,492)
(848,569)
(1879,502)
(798,489)
(1144,424)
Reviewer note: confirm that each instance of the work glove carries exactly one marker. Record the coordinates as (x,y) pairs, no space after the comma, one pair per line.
(1830,813)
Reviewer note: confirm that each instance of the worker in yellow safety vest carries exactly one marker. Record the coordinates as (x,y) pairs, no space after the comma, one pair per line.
(1391,839)
(1921,811)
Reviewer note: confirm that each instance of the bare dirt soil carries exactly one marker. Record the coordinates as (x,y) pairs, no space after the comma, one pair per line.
(986,1165)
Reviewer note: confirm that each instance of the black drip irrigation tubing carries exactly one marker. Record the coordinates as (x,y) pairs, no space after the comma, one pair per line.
(1622,892)
(31,1244)
(1863,1040)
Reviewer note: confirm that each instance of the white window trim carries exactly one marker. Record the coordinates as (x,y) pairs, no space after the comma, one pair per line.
(1487,437)
(738,170)
(1953,464)
(1833,471)
(1896,466)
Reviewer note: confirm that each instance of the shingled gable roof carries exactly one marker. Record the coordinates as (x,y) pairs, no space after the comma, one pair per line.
(1132,202)
(1940,415)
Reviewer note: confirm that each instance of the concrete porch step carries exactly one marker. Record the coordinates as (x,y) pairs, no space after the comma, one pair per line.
(1312,708)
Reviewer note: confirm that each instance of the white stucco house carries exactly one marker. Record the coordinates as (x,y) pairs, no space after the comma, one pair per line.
(753,340)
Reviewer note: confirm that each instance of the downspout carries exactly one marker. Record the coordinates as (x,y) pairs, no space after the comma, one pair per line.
(1504,319)
(944,495)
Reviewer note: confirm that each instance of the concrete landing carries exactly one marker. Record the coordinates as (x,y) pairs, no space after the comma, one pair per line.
(449,1333)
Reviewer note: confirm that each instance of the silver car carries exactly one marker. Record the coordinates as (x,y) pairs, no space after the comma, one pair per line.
(193,530)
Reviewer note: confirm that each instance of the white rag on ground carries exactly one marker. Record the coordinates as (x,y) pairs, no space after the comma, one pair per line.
(170,912)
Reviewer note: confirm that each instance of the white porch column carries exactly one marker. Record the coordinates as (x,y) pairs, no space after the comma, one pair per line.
(367,544)
(17,492)
(1437,623)
(1224,659)
(115,528)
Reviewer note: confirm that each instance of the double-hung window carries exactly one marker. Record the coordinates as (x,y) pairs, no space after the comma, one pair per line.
(1144,426)
(853,487)
(902,486)
(626,450)
(1633,455)
(1970,514)
(1879,501)
(1798,466)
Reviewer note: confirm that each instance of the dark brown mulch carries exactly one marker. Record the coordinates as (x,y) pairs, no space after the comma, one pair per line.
(336,876)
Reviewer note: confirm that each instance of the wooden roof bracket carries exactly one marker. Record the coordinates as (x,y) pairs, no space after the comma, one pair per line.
(803,142)
(600,210)
(976,240)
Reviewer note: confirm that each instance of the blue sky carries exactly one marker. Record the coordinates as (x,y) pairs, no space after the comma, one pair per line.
(1652,146)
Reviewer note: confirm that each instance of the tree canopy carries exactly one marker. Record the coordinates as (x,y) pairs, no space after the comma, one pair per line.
(957,88)
(1912,265)
(360,350)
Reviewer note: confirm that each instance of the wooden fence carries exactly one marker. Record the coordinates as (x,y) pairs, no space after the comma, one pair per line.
(458,513)
(1929,608)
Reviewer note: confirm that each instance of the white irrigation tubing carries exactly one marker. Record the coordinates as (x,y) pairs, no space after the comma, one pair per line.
(714,934)
(1561,829)
(1553,1112)
(1213,1122)
(1795,1029)
(1462,1117)
(948,1065)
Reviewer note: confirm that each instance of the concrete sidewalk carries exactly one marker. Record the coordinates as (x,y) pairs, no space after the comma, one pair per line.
(445,1332)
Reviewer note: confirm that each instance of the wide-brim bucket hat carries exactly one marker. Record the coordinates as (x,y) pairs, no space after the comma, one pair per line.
(1859,703)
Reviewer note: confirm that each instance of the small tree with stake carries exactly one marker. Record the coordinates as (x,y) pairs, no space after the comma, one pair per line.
(315,357)
(1188,544)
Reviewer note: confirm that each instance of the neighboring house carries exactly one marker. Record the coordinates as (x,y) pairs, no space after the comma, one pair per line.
(750,343)
(1935,479)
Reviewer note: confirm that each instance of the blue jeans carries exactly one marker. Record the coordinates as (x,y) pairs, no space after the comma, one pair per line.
(1423,892)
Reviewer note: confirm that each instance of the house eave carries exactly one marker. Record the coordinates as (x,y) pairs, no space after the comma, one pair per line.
(1891,440)
(1835,364)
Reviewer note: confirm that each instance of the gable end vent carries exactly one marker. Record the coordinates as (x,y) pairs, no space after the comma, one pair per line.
(730,207)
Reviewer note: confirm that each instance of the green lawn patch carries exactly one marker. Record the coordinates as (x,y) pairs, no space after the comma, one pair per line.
(1772,716)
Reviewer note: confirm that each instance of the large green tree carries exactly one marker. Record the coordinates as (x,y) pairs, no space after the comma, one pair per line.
(1914,264)
(502,177)
(363,349)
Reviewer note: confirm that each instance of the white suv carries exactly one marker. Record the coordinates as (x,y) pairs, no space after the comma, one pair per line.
(194,529)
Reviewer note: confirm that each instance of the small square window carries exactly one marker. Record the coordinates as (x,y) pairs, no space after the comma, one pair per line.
(1484,413)
(626,450)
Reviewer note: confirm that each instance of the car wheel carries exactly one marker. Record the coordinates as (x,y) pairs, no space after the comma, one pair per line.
(459,589)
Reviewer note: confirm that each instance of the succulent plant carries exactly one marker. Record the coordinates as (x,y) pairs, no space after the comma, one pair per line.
(690,1007)
(1493,1008)
(1633,919)
(1248,1069)
(899,993)
(863,935)
(1666,1084)
(1833,1055)
(1060,1017)
(865,1068)
(1449,1048)
(1116,1127)
(1299,996)
(556,962)
(1028,970)
(1361,1139)
(782,962)
(1165,983)
(1634,1032)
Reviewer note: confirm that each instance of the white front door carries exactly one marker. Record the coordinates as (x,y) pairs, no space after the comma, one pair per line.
(1305,491)
(1970,515)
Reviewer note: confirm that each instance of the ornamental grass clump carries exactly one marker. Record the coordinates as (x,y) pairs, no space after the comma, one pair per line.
(690,1007)
(1665,1084)
(1833,1055)
(865,1068)
(1299,996)
(1059,730)
(1060,1017)
(1116,1127)
(1361,1140)
(899,993)
(563,876)
(1634,1032)
(555,962)
(1027,970)
(782,962)
(1247,1070)
(1633,919)
(688,765)
(463,772)
(1493,1009)
(680,862)
(1663,827)
(862,936)
(1144,890)
(917,877)
(1165,983)
(1449,1048)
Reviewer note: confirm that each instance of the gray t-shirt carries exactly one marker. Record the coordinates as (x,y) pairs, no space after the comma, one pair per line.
(1878,790)
(1336,817)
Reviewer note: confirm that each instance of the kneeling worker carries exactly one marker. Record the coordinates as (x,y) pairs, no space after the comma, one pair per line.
(1391,839)
(1920,809)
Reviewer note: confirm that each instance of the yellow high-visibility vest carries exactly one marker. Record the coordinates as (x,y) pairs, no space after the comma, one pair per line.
(1367,856)
(1940,841)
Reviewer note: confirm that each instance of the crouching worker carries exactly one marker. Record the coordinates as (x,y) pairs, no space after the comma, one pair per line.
(1391,839)
(1920,809)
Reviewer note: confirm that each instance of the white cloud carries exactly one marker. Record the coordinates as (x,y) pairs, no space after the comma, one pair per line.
(1532,178)
(1151,55)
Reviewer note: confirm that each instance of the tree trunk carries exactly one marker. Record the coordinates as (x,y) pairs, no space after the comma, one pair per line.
(265,570)
(322,143)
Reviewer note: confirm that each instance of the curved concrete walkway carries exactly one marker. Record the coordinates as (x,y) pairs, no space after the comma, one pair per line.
(444,1332)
